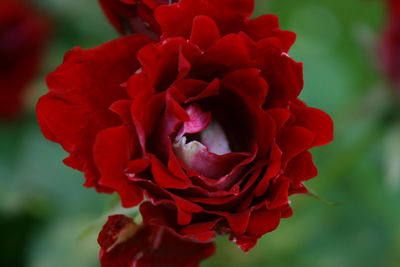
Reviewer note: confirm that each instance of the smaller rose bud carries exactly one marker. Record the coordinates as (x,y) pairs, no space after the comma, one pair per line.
(125,243)
(134,16)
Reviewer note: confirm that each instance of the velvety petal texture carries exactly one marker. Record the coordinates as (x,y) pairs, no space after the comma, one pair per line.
(205,124)
(124,244)
(23,35)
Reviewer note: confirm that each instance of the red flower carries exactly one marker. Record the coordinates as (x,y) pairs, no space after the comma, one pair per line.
(390,49)
(124,243)
(22,35)
(134,16)
(207,125)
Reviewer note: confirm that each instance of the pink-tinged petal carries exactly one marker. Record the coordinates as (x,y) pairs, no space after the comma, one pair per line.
(81,92)
(318,122)
(205,32)
(112,159)
(124,243)
(198,120)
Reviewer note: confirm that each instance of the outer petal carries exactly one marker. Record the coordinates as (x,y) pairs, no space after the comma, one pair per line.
(112,159)
(318,122)
(81,91)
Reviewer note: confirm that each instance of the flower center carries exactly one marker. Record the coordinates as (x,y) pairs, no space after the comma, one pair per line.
(201,133)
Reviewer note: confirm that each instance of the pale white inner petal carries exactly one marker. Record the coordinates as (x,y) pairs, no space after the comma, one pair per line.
(187,152)
(214,138)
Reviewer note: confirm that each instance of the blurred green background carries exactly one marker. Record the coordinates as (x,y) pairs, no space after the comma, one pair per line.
(47,218)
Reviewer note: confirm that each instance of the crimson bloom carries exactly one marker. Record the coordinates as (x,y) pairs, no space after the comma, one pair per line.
(390,48)
(124,243)
(205,123)
(22,36)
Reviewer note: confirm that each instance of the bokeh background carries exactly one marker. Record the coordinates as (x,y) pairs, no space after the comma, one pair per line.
(47,218)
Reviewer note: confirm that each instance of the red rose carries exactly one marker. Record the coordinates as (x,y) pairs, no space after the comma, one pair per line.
(124,243)
(134,16)
(22,35)
(390,49)
(208,126)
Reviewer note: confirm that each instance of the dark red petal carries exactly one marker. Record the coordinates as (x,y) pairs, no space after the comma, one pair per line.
(301,168)
(263,221)
(229,15)
(230,51)
(112,160)
(261,27)
(283,74)
(294,140)
(165,178)
(205,32)
(318,122)
(249,84)
(274,169)
(278,193)
(81,92)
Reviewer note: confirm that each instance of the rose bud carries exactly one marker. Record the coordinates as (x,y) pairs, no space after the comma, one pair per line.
(134,16)
(23,33)
(206,124)
(124,243)
(390,46)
